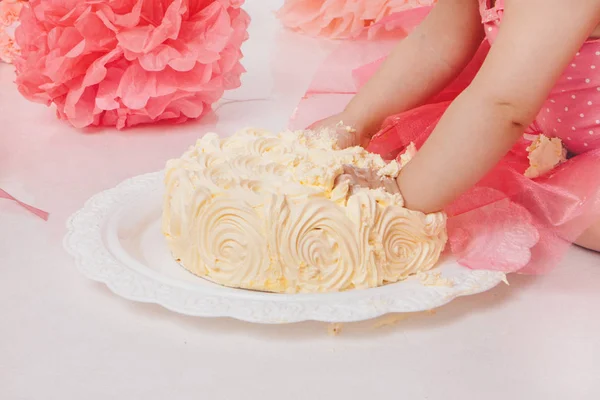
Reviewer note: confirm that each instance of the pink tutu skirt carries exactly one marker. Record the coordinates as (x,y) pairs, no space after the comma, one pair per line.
(507,222)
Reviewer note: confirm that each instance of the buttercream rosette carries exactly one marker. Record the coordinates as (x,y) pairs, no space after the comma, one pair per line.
(266,212)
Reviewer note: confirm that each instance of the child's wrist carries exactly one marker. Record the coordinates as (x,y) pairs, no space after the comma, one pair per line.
(364,121)
(360,123)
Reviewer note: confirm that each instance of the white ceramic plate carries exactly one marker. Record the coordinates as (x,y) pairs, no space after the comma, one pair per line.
(116,239)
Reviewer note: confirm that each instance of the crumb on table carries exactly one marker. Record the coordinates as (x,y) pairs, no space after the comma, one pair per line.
(334,329)
(391,319)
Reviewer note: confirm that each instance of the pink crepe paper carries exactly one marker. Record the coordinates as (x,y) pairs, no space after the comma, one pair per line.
(9,19)
(128,62)
(340,19)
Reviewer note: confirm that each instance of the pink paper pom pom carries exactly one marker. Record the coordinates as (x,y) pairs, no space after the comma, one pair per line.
(8,48)
(340,19)
(9,19)
(9,11)
(128,62)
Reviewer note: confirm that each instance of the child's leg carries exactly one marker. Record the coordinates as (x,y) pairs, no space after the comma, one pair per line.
(591,238)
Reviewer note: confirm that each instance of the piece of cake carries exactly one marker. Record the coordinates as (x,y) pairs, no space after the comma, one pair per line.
(263,211)
(545,154)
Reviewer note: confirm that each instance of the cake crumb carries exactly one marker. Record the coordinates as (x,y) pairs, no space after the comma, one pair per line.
(389,320)
(391,170)
(545,154)
(409,154)
(334,329)
(434,279)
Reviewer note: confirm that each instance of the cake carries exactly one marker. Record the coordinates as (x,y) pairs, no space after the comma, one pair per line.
(267,212)
(545,154)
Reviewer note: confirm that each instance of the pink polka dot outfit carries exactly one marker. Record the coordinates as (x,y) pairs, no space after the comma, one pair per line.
(508,221)
(572,111)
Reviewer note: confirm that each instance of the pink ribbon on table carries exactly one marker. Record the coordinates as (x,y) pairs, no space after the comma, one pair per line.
(36,211)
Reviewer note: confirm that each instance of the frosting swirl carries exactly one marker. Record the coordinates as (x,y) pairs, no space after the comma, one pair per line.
(230,245)
(315,251)
(406,247)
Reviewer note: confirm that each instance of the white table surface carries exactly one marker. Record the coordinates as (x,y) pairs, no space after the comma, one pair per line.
(64,337)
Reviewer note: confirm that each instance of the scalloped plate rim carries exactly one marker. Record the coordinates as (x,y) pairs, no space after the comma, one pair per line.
(106,203)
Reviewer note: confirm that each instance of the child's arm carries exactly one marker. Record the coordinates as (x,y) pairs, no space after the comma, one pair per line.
(418,68)
(537,40)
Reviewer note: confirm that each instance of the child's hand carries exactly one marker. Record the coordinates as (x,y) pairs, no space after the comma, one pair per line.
(357,178)
(348,131)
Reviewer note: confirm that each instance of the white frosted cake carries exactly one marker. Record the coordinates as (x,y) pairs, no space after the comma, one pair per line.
(264,211)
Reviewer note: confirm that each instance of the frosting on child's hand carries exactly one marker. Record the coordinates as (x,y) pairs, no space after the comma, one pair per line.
(345,136)
(357,178)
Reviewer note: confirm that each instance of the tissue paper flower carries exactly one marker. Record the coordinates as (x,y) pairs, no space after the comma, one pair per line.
(9,11)
(9,18)
(8,48)
(129,62)
(340,19)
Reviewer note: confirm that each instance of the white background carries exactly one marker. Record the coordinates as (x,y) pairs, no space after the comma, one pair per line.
(63,337)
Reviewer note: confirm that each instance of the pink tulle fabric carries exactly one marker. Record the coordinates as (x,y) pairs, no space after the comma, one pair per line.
(9,19)
(128,62)
(340,19)
(507,222)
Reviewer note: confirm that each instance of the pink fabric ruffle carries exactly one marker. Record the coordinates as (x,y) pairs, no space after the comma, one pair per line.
(35,211)
(128,62)
(340,19)
(507,222)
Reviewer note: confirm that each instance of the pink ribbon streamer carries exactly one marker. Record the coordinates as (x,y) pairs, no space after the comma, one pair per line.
(36,211)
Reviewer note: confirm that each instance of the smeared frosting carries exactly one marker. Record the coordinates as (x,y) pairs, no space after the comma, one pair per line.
(409,154)
(264,211)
